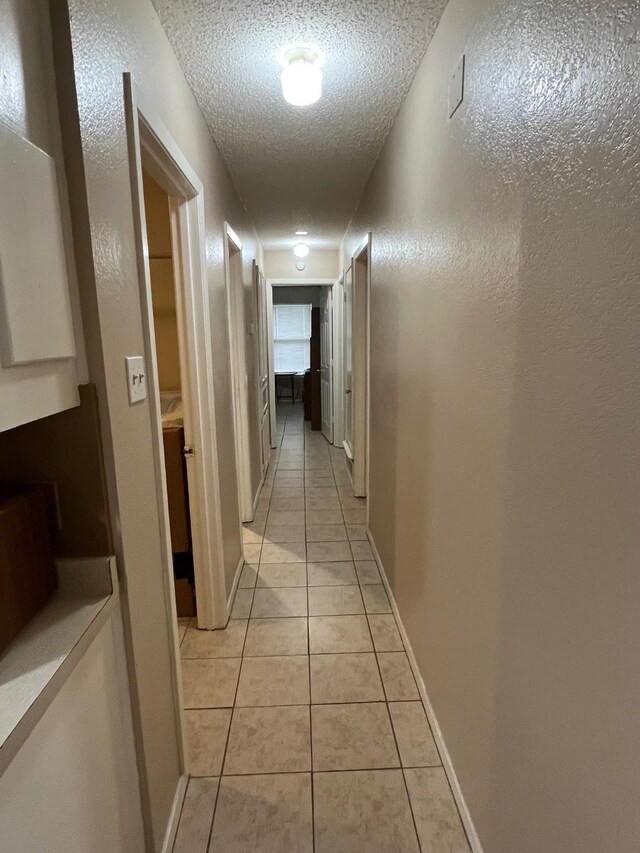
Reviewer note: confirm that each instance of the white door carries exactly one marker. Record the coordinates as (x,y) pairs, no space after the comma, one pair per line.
(326,362)
(263,368)
(348,362)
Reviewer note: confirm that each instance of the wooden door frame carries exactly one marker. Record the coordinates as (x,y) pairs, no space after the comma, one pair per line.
(239,381)
(361,349)
(283,282)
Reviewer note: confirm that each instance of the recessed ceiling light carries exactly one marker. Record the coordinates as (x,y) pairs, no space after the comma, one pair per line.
(301,233)
(301,76)
(301,250)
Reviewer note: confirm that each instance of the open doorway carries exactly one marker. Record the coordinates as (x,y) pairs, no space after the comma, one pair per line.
(177,351)
(356,366)
(170,369)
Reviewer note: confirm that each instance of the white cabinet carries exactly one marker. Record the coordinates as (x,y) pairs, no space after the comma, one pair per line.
(41,349)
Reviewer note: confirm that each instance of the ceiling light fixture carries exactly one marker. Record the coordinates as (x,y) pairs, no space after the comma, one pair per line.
(301,233)
(301,76)
(301,250)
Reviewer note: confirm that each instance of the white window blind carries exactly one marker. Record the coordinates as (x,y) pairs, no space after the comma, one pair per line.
(291,337)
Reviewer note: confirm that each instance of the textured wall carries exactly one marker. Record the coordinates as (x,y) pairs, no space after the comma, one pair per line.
(109,38)
(319,263)
(505,472)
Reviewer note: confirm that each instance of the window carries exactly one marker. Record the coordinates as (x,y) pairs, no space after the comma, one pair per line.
(291,337)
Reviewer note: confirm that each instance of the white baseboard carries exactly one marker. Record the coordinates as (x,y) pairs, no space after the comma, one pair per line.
(447,764)
(174,817)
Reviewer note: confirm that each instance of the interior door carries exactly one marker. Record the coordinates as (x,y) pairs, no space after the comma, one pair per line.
(326,362)
(347,329)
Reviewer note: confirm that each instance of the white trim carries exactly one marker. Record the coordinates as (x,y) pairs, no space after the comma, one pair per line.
(234,586)
(338,362)
(174,817)
(441,746)
(300,282)
(151,142)
(361,355)
(239,381)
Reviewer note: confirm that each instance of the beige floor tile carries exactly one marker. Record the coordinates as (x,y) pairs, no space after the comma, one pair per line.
(327,502)
(319,479)
(326,533)
(210,683)
(263,814)
(335,600)
(242,604)
(386,637)
(196,816)
(357,532)
(273,637)
(278,533)
(282,574)
(288,552)
(269,740)
(352,737)
(350,502)
(280,505)
(290,465)
(206,736)
(225,643)
(286,518)
(296,492)
(274,681)
(279,601)
(321,491)
(345,678)
(331,574)
(398,680)
(252,537)
(248,576)
(252,553)
(183,624)
(413,735)
(355,516)
(361,551)
(363,812)
(375,598)
(368,572)
(334,634)
(326,552)
(324,516)
(439,826)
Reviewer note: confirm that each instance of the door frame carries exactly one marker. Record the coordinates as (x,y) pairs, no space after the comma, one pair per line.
(285,282)
(152,147)
(239,382)
(331,364)
(361,349)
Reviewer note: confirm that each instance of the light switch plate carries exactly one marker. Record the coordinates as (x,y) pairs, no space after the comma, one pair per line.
(136,378)
(456,87)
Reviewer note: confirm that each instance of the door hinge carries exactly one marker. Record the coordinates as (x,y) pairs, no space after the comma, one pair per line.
(188,451)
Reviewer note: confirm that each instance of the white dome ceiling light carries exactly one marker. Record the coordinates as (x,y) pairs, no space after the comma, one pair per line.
(301,76)
(301,250)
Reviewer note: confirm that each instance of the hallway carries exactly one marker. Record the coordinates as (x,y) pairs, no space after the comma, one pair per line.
(304,723)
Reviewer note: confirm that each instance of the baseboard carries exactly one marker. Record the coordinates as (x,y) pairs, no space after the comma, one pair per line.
(174,817)
(236,581)
(447,764)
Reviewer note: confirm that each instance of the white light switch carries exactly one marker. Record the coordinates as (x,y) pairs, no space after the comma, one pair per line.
(456,87)
(136,378)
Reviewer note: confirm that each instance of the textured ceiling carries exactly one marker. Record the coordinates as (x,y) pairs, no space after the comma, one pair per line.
(299,167)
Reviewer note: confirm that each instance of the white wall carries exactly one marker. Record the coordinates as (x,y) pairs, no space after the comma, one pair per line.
(72,787)
(320,263)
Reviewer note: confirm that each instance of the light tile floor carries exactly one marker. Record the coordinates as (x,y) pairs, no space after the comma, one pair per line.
(305,729)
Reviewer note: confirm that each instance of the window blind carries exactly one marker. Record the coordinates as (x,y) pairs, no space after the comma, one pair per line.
(291,336)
